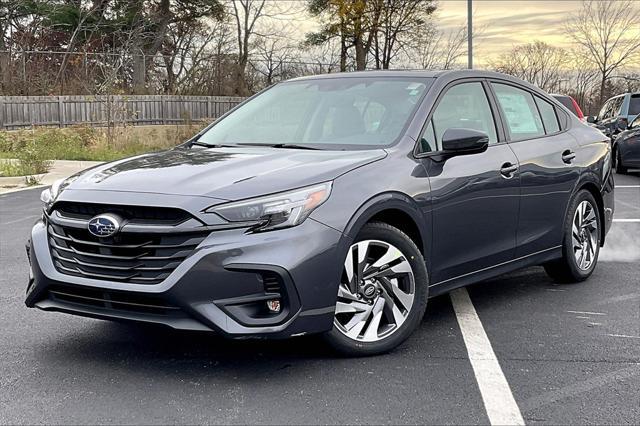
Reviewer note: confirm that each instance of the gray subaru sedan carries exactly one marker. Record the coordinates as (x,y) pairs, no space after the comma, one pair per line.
(334,204)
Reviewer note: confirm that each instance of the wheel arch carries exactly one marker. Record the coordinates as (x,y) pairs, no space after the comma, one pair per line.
(396,209)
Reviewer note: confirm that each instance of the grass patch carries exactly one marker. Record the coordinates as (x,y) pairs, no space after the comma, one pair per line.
(35,148)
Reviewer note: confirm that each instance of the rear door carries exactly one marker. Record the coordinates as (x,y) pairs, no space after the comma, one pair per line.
(474,197)
(548,174)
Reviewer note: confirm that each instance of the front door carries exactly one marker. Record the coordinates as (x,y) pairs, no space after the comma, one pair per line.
(474,197)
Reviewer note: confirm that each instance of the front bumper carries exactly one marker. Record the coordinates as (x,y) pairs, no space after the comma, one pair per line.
(220,287)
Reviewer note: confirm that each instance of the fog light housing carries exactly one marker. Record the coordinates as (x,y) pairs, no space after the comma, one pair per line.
(274,306)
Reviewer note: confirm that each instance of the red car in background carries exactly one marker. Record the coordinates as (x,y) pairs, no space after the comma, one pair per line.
(572,105)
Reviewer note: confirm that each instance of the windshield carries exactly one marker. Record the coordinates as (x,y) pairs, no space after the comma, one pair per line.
(350,112)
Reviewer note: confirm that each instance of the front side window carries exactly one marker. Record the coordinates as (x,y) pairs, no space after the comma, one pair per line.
(520,112)
(349,112)
(617,108)
(605,110)
(635,124)
(548,114)
(464,106)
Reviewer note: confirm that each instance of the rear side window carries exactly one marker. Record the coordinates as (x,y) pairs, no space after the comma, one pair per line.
(634,105)
(549,118)
(520,112)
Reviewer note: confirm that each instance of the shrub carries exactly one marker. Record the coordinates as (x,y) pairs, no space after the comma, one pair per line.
(10,168)
(92,144)
(33,158)
(6,144)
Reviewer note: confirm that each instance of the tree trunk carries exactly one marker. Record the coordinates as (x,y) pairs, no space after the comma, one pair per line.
(361,53)
(241,80)
(603,88)
(6,72)
(343,47)
(139,74)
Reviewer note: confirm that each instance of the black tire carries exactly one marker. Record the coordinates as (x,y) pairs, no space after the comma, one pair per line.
(620,168)
(391,235)
(566,269)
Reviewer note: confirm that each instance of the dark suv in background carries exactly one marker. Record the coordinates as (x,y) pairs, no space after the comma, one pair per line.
(617,113)
(626,148)
(333,204)
(617,119)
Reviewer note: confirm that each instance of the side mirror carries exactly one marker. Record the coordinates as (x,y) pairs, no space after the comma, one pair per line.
(464,141)
(591,119)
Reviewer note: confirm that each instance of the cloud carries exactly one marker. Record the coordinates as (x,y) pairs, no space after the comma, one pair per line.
(504,24)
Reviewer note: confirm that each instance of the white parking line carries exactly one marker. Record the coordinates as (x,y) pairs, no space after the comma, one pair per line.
(626,220)
(498,400)
(586,313)
(627,186)
(626,336)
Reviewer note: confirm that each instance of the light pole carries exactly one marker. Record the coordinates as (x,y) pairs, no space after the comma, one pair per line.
(470,33)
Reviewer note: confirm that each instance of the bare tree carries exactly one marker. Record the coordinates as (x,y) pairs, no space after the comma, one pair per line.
(323,58)
(608,32)
(582,79)
(400,23)
(246,14)
(538,63)
(271,56)
(436,49)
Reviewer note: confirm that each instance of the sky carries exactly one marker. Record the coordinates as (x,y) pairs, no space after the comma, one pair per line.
(504,24)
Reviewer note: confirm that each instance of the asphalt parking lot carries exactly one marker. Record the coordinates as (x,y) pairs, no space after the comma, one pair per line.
(569,354)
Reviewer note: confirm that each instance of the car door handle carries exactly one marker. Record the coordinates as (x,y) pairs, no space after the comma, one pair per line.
(507,170)
(568,156)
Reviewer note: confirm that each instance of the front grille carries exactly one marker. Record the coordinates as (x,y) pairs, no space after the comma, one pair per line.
(136,214)
(113,300)
(132,257)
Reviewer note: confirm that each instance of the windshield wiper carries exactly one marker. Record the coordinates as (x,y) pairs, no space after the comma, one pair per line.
(280,145)
(270,145)
(208,145)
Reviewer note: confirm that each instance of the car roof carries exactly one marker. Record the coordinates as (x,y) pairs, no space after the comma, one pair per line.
(453,74)
(624,94)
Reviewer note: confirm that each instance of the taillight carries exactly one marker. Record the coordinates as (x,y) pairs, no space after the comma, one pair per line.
(578,110)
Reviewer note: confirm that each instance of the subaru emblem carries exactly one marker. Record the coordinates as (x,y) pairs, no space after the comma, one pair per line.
(104,225)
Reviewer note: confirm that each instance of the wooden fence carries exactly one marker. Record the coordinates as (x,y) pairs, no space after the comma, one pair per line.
(26,111)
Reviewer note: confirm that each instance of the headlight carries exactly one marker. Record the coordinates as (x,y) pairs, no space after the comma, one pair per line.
(49,195)
(277,211)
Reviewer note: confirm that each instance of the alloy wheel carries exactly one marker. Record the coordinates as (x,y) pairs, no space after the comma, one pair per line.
(584,235)
(376,291)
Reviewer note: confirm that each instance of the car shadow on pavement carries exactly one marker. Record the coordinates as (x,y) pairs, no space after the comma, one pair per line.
(143,346)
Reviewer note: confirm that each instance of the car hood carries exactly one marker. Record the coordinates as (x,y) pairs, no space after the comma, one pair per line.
(222,173)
